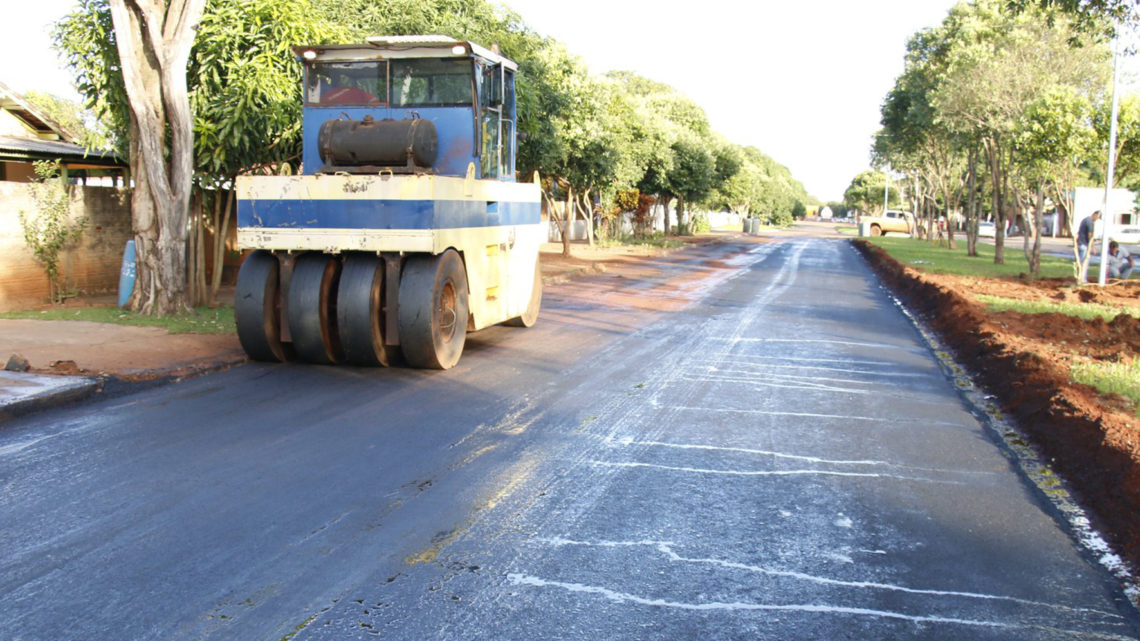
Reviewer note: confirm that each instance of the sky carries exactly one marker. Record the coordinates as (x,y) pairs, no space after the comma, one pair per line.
(801,81)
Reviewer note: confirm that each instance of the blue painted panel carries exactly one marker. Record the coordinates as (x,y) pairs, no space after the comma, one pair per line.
(384,214)
(455,127)
(127,274)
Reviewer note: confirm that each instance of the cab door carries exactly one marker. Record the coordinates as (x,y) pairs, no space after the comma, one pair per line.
(490,121)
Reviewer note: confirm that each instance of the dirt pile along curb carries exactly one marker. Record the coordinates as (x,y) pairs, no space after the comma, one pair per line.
(1096,449)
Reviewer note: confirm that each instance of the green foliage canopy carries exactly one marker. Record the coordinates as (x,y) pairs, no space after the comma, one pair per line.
(865,193)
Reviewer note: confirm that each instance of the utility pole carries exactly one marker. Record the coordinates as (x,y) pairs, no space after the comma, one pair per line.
(1106,215)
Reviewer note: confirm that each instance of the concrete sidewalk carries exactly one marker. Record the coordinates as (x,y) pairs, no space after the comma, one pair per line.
(69,360)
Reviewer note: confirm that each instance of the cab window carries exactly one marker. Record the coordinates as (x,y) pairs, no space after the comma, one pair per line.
(346,83)
(431,82)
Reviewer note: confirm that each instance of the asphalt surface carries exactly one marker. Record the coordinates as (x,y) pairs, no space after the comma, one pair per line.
(781,459)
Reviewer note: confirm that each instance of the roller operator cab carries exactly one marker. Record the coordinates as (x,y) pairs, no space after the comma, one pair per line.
(406,227)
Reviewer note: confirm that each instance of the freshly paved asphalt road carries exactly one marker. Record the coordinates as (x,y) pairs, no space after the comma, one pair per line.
(781,459)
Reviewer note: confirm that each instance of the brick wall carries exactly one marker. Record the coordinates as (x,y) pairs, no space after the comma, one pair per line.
(91,265)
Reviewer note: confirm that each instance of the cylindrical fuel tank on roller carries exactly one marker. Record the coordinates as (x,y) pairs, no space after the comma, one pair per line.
(378,142)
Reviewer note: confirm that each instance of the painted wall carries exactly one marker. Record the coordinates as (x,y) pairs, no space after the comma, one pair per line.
(90,266)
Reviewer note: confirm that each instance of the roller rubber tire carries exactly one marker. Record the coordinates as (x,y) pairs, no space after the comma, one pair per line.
(433,310)
(530,316)
(359,312)
(256,307)
(312,309)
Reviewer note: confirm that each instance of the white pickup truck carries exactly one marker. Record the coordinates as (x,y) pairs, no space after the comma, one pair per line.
(901,222)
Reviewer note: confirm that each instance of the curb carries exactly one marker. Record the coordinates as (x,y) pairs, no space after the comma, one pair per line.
(25,393)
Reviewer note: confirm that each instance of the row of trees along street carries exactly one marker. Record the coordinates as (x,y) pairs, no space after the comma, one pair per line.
(197,92)
(1001,107)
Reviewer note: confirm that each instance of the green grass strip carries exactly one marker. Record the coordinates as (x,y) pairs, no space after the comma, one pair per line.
(1111,378)
(923,256)
(204,320)
(1086,311)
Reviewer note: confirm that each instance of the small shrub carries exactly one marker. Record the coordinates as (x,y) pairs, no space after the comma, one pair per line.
(49,229)
(701,224)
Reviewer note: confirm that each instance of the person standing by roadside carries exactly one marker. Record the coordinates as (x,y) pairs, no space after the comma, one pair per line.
(1120,261)
(1085,236)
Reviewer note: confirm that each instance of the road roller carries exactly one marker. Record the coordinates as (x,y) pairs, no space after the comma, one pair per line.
(406,227)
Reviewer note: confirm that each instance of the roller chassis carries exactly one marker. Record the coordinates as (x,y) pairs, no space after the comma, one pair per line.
(499,262)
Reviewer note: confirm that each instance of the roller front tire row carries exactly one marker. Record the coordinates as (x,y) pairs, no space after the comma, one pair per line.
(334,310)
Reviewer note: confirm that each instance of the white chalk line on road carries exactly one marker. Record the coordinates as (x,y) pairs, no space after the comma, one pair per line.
(746,450)
(817,341)
(625,597)
(774,381)
(796,457)
(699,470)
(839,370)
(741,359)
(666,549)
(843,417)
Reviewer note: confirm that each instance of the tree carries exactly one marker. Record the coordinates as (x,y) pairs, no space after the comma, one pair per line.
(154,42)
(865,193)
(242,82)
(1099,17)
(247,115)
(691,178)
(1127,171)
(1054,144)
(741,193)
(994,64)
(912,139)
(582,152)
(663,116)
(150,42)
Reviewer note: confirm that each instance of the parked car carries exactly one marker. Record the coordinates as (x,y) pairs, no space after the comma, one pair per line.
(1127,235)
(901,222)
(987,229)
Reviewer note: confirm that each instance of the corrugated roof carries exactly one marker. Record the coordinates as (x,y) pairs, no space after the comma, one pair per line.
(55,149)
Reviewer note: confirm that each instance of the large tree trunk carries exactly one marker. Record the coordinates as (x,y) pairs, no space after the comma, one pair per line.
(993,155)
(664,200)
(144,224)
(1065,198)
(587,211)
(949,209)
(221,227)
(1033,228)
(196,254)
(567,221)
(972,205)
(154,41)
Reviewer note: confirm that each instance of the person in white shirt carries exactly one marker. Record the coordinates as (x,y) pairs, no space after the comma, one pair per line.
(1120,261)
